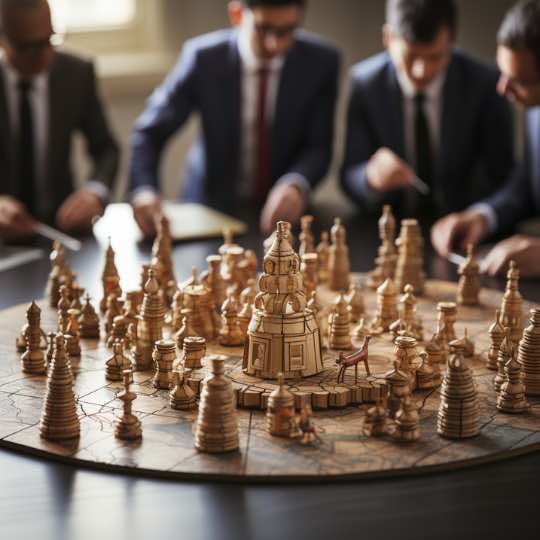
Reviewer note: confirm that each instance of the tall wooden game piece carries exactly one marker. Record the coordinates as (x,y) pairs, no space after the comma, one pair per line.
(387,311)
(529,354)
(128,427)
(110,278)
(339,332)
(33,359)
(283,336)
(512,395)
(59,420)
(182,397)
(512,303)
(385,263)
(88,321)
(323,254)
(338,258)
(469,281)
(407,421)
(306,236)
(216,430)
(496,335)
(280,412)
(410,262)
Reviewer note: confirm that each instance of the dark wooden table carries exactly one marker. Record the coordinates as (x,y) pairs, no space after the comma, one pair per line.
(48,500)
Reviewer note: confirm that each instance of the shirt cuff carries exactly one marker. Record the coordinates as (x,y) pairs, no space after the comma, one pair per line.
(99,189)
(297,180)
(143,195)
(487,211)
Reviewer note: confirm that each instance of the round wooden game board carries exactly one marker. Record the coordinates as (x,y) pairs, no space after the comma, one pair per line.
(343,452)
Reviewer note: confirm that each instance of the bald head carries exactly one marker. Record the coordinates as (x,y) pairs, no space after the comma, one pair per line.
(25,33)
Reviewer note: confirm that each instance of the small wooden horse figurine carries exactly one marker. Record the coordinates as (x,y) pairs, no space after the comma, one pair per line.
(361,355)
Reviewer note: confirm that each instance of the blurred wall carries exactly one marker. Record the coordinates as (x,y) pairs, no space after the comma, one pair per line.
(354,25)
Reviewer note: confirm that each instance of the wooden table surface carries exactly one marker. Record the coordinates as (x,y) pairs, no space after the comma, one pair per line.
(47,500)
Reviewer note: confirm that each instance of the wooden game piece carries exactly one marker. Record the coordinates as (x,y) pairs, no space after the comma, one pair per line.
(51,337)
(376,422)
(338,258)
(458,416)
(64,304)
(428,375)
(73,345)
(234,270)
(387,311)
(58,267)
(307,242)
(182,397)
(228,242)
(410,261)
(355,299)
(511,397)
(468,345)
(213,280)
(252,264)
(407,421)
(436,352)
(164,357)
(216,429)
(110,278)
(77,293)
(199,300)
(469,280)
(361,355)
(59,420)
(283,336)
(117,362)
(128,427)
(119,330)
(113,310)
(306,428)
(131,307)
(162,254)
(339,332)
(398,382)
(323,254)
(360,331)
(88,321)
(512,302)
(407,356)
(280,419)
(409,323)
(308,268)
(187,329)
(151,320)
(496,335)
(244,317)
(529,354)
(33,359)
(506,350)
(177,307)
(385,262)
(194,349)
(447,315)
(231,334)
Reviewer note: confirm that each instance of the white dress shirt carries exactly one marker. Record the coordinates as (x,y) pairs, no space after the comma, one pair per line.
(39,104)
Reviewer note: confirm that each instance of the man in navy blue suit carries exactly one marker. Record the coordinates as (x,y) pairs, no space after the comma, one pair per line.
(265,92)
(518,56)
(424,109)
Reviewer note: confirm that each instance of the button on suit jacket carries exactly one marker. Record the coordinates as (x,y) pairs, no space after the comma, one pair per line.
(207,80)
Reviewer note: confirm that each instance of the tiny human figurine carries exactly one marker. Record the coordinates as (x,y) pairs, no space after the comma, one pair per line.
(308,432)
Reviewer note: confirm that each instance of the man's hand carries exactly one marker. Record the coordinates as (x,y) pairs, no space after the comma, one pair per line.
(386,171)
(458,230)
(525,250)
(285,202)
(15,221)
(78,211)
(146,211)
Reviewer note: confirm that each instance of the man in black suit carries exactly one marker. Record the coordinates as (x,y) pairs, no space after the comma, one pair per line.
(423,108)
(45,97)
(265,92)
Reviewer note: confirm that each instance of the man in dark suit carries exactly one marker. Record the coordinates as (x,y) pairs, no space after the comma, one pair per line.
(265,92)
(45,96)
(423,109)
(518,56)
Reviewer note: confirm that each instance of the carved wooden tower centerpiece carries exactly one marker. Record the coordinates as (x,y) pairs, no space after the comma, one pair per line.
(283,336)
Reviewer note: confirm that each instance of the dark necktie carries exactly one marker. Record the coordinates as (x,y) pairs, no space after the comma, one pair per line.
(424,156)
(25,149)
(262,138)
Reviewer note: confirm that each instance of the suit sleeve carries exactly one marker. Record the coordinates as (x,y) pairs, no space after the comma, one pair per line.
(166,111)
(315,157)
(101,143)
(360,145)
(514,201)
(497,139)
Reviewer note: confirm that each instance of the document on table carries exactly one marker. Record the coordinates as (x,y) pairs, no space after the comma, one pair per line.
(11,257)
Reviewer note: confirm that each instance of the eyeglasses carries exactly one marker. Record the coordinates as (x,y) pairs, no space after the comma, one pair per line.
(279,32)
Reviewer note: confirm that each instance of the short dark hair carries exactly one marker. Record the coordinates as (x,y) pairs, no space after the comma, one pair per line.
(5,5)
(275,3)
(419,21)
(520,28)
